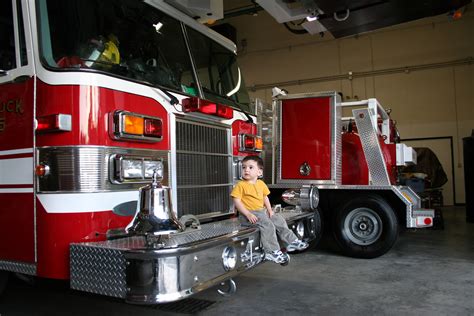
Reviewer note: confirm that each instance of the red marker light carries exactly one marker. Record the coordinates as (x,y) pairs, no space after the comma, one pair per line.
(225,111)
(153,128)
(428,221)
(46,123)
(208,108)
(195,104)
(190,104)
(249,142)
(54,123)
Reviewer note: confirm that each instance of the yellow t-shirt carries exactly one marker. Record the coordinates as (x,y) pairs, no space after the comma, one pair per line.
(251,195)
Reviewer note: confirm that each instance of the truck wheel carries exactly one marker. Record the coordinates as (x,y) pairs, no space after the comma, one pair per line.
(3,281)
(365,227)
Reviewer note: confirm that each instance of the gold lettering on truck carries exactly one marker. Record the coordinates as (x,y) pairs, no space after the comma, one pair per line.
(9,106)
(18,106)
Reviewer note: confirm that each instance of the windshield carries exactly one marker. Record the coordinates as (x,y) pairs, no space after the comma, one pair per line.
(127,38)
(217,70)
(133,40)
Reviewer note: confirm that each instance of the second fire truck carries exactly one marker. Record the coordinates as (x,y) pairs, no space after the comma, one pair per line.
(347,166)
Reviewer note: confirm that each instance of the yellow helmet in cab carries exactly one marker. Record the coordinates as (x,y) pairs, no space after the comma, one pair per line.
(103,52)
(110,54)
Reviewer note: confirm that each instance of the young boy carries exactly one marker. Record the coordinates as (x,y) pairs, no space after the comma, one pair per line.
(251,200)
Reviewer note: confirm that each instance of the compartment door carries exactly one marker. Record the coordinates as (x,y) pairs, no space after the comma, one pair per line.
(306,141)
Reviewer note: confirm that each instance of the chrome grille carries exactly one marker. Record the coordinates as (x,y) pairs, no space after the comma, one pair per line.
(203,169)
(200,138)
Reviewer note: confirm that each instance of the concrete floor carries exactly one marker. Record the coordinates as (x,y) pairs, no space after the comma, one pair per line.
(428,272)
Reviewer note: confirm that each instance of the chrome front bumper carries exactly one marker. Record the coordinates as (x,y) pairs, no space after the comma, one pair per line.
(182,265)
(128,269)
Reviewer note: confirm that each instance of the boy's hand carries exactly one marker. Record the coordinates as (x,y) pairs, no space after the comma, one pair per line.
(252,218)
(270,212)
(241,208)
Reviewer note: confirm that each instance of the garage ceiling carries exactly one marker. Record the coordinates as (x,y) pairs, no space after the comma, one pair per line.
(344,17)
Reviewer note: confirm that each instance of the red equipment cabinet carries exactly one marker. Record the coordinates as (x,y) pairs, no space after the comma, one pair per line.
(303,145)
(308,136)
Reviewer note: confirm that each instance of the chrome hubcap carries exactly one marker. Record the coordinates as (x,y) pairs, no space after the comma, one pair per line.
(363,226)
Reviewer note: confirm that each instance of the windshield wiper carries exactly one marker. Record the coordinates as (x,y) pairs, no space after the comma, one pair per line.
(172,99)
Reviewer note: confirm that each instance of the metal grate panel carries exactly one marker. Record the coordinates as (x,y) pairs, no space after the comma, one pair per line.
(199,201)
(19,267)
(188,306)
(98,270)
(207,231)
(370,145)
(203,168)
(201,138)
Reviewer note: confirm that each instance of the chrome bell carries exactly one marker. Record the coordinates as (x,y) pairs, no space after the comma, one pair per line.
(154,215)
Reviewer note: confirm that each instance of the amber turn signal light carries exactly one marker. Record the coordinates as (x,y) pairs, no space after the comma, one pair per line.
(133,124)
(42,170)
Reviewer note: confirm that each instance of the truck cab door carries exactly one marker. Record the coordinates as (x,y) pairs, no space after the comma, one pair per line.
(17,83)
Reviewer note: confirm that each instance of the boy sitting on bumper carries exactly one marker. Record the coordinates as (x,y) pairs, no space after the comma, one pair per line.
(250,197)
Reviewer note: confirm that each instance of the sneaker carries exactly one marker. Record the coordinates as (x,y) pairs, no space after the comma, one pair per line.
(277,256)
(297,245)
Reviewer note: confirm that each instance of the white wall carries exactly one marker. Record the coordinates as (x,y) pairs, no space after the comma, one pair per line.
(436,101)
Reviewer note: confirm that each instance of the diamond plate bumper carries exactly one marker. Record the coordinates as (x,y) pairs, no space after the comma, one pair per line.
(188,263)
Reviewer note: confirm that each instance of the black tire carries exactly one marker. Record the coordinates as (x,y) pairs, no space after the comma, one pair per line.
(365,227)
(3,280)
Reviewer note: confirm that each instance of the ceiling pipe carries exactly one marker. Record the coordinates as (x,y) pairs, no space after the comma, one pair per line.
(352,75)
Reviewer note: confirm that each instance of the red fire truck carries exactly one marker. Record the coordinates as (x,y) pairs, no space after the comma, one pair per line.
(101,98)
(345,165)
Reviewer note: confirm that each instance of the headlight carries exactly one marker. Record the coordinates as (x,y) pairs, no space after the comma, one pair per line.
(150,166)
(300,229)
(134,169)
(229,258)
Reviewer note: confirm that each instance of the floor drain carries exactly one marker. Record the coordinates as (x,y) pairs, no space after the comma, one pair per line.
(186,306)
